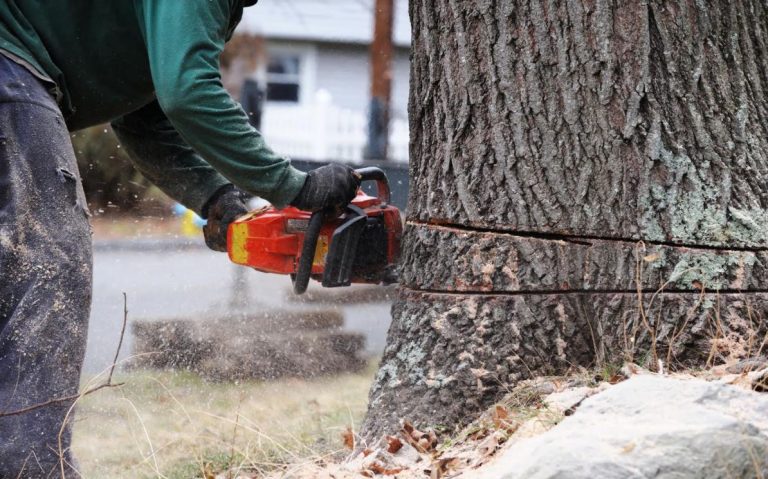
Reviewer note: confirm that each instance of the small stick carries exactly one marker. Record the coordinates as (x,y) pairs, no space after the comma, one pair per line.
(122,335)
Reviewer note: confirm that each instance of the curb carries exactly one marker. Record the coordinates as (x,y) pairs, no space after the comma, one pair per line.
(148,244)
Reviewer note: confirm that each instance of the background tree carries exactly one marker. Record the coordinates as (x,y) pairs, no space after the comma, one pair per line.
(589,185)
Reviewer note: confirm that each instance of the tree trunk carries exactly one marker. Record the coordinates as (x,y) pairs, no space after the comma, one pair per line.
(588,185)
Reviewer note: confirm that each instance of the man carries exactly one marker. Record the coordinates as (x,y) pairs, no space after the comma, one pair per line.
(151,68)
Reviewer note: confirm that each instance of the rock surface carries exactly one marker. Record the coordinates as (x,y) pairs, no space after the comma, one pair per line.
(649,427)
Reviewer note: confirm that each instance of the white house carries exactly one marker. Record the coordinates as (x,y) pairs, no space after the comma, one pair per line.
(318,76)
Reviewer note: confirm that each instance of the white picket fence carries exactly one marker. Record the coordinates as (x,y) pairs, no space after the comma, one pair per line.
(324,131)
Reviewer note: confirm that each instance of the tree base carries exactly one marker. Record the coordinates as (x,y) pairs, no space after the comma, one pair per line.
(452,355)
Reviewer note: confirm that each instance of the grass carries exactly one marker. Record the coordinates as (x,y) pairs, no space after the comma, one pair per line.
(177,426)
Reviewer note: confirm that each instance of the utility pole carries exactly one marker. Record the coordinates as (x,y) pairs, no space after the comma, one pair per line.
(382,51)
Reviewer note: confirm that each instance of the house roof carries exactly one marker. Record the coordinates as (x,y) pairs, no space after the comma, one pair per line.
(338,21)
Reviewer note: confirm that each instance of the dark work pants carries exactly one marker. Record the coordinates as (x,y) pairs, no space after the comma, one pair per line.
(45,278)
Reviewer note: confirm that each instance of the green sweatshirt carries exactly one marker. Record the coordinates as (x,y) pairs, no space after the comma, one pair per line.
(151,67)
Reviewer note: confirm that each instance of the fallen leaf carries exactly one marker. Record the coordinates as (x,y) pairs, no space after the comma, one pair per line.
(500,413)
(367,452)
(393,444)
(408,428)
(501,420)
(443,466)
(488,447)
(379,469)
(349,438)
(479,434)
(616,379)
(432,439)
(422,441)
(424,444)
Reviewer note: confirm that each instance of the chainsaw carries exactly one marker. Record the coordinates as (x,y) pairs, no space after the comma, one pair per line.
(360,245)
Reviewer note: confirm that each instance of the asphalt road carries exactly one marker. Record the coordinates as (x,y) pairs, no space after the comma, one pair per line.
(166,280)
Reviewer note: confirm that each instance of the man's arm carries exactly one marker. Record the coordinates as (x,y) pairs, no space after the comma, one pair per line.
(184,41)
(162,156)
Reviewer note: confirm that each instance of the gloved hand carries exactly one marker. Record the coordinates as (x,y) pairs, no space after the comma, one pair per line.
(331,186)
(224,207)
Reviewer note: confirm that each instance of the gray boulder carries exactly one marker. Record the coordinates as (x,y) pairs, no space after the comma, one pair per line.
(650,427)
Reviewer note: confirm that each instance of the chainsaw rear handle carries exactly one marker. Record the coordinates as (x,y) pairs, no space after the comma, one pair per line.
(372,173)
(304,268)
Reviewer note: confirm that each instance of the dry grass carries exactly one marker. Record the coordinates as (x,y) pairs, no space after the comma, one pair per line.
(732,339)
(174,425)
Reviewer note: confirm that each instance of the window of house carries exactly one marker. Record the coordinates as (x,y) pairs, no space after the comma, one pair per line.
(284,78)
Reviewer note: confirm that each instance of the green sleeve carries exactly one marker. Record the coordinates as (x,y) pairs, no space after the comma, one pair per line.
(184,40)
(162,156)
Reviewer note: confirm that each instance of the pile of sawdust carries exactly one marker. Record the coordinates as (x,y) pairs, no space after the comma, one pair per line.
(268,346)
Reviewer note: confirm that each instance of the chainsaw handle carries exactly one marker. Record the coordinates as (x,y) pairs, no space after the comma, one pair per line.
(304,268)
(373,173)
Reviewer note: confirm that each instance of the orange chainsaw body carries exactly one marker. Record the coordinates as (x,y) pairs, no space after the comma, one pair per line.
(272,240)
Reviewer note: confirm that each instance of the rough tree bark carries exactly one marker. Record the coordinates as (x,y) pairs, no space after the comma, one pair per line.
(588,185)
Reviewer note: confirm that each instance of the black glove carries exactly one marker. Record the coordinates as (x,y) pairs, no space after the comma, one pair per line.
(331,186)
(224,207)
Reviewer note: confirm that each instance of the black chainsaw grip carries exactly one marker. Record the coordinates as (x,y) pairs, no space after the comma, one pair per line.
(304,268)
(372,173)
